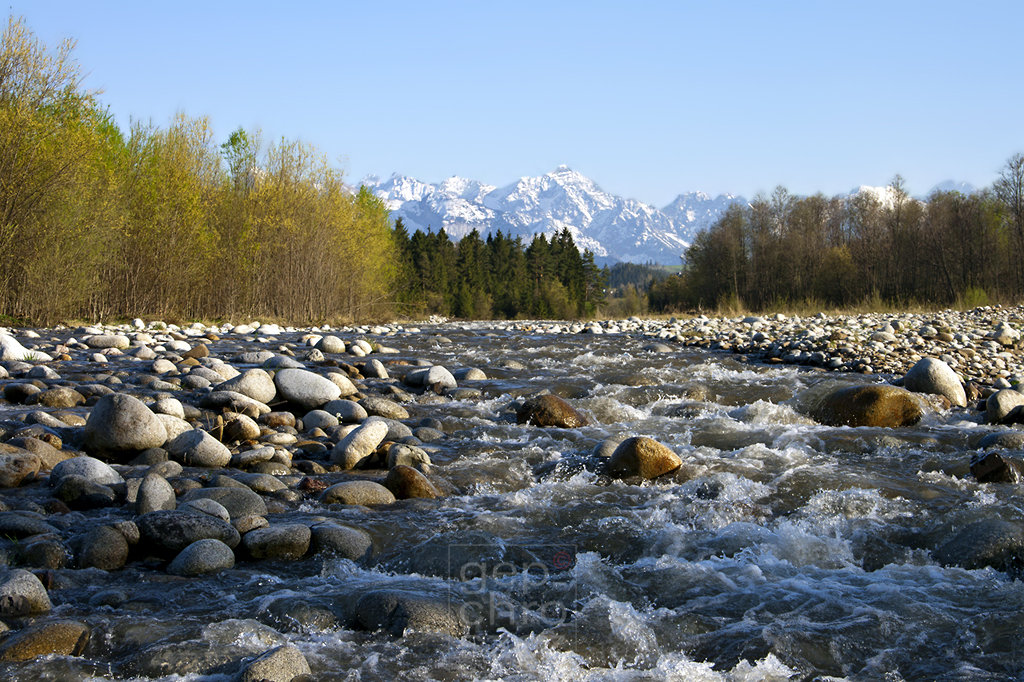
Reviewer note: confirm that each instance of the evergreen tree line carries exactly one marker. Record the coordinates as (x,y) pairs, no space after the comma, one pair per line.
(96,222)
(496,278)
(639,276)
(783,251)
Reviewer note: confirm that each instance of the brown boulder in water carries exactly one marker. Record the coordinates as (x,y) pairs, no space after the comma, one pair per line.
(876,405)
(642,456)
(550,410)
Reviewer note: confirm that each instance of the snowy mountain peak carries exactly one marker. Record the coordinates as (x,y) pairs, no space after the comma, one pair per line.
(612,227)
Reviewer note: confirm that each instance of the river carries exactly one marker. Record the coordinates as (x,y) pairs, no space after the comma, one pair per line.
(780,550)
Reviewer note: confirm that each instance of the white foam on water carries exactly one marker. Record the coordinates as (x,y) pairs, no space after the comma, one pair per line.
(762,412)
(535,658)
(590,359)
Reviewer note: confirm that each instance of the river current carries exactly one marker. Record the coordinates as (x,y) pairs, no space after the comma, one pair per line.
(780,550)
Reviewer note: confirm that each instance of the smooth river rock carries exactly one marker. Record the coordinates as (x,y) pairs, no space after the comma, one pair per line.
(121,426)
(550,410)
(934,376)
(644,457)
(875,405)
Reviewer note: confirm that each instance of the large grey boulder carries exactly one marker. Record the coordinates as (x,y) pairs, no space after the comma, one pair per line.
(934,376)
(89,467)
(12,350)
(346,411)
(286,541)
(202,557)
(21,593)
(254,383)
(343,541)
(119,341)
(197,448)
(359,444)
(166,533)
(330,344)
(103,547)
(365,493)
(238,501)
(431,376)
(155,493)
(1001,403)
(120,426)
(304,388)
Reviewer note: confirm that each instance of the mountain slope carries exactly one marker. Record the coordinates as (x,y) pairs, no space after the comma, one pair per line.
(612,227)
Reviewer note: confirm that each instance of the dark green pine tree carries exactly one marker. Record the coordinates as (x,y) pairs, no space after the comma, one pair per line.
(507,267)
(539,270)
(444,273)
(471,299)
(595,283)
(407,290)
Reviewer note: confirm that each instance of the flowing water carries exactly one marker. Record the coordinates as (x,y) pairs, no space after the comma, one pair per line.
(781,549)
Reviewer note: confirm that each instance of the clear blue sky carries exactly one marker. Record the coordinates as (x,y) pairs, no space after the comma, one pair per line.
(648,99)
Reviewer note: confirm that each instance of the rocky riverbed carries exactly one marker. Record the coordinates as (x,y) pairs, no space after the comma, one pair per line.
(749,498)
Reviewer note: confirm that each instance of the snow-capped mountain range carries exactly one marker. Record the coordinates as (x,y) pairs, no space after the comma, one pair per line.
(615,229)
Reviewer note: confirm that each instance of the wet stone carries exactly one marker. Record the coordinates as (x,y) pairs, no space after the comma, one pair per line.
(21,593)
(365,493)
(342,541)
(396,611)
(166,533)
(286,541)
(644,457)
(202,557)
(550,410)
(239,501)
(281,664)
(103,548)
(382,407)
(60,638)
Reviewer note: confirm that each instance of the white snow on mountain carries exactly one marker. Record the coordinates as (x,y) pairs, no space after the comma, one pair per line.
(695,211)
(611,227)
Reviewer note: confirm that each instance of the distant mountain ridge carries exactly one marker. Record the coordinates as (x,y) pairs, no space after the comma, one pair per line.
(615,229)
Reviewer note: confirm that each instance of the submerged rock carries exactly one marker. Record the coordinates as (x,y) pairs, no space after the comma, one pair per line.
(57,638)
(993,467)
(991,542)
(397,611)
(281,664)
